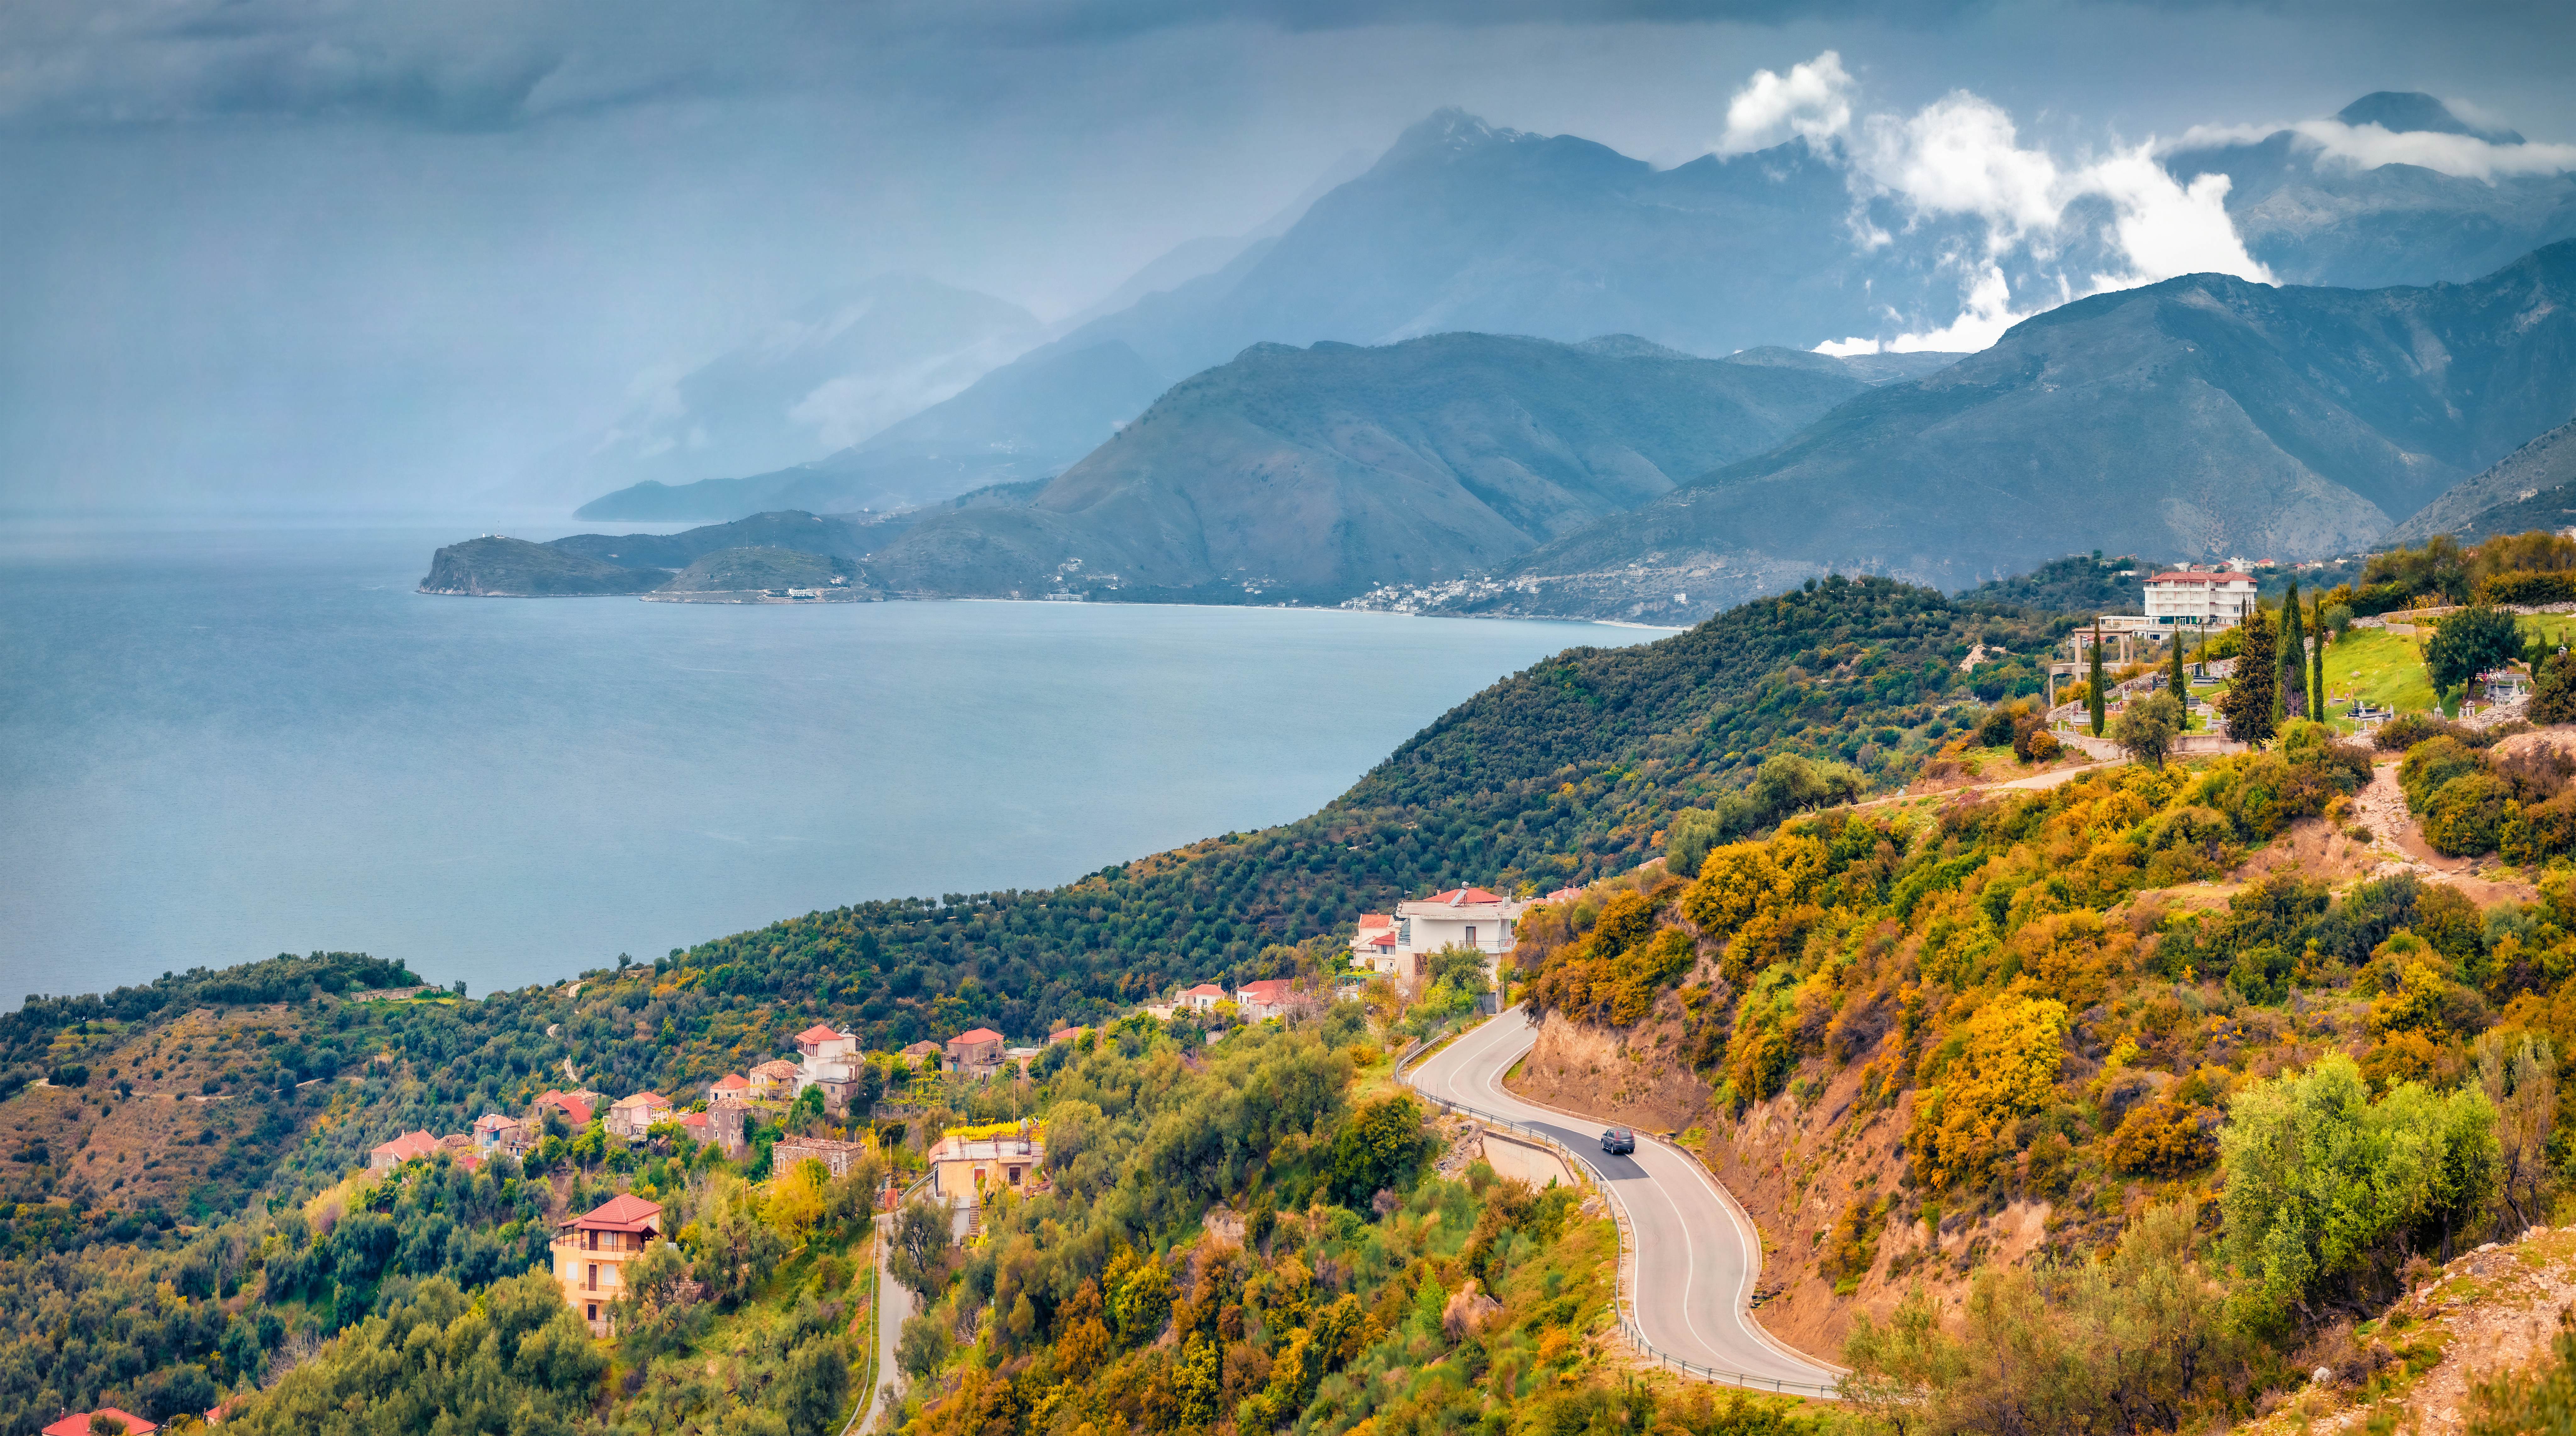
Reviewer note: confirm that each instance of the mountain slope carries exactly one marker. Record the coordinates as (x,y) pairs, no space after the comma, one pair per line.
(1025,420)
(2534,487)
(1319,472)
(2200,417)
(833,372)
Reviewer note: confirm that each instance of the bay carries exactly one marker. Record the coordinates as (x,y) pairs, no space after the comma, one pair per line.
(220,744)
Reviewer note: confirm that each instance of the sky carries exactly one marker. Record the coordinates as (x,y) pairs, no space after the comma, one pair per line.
(279,256)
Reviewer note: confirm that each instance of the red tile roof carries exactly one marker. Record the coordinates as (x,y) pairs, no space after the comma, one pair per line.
(78,1424)
(573,1108)
(1370,921)
(1205,989)
(1460,897)
(980,1034)
(1384,939)
(818,1033)
(1564,895)
(731,1082)
(693,1119)
(1268,990)
(625,1212)
(406,1147)
(644,1099)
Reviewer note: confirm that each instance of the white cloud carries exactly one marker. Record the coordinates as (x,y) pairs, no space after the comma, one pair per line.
(1962,158)
(1811,102)
(1960,155)
(2369,147)
(2466,156)
(2163,227)
(1985,312)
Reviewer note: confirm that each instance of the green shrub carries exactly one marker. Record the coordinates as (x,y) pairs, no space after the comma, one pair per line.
(2465,816)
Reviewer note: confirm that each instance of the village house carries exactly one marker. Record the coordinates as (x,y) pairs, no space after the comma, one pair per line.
(773,1081)
(977,1053)
(632,1115)
(919,1051)
(493,1132)
(1020,1057)
(576,1107)
(831,1062)
(1202,998)
(1374,946)
(731,1087)
(1265,999)
(1069,1034)
(78,1424)
(728,1123)
(591,1253)
(965,1169)
(389,1155)
(1461,917)
(836,1156)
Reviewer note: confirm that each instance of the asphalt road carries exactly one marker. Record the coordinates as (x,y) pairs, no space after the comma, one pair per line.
(1697,1254)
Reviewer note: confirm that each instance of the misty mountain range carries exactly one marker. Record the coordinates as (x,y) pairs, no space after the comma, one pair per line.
(1335,406)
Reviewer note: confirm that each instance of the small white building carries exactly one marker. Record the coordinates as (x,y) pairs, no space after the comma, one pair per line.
(830,1060)
(2208,599)
(1202,998)
(1460,917)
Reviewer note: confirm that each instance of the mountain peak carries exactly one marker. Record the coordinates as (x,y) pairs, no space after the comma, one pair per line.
(1447,131)
(2412,112)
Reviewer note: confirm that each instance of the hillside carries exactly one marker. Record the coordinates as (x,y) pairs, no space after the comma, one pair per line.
(496,567)
(1316,473)
(2534,487)
(581,565)
(1924,1039)
(734,569)
(2198,418)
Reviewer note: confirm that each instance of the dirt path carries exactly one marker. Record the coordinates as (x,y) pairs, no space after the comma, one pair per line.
(2050,779)
(2398,839)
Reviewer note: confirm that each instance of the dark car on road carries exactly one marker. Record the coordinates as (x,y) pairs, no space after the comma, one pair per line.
(1619,1142)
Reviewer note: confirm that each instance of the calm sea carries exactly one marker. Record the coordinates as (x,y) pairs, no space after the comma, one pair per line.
(218,746)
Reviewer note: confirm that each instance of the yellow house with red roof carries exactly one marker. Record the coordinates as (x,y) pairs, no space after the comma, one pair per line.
(591,1254)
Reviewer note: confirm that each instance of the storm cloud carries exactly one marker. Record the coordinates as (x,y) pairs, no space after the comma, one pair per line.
(317,254)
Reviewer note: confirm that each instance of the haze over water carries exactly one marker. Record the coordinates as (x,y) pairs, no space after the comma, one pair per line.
(216,747)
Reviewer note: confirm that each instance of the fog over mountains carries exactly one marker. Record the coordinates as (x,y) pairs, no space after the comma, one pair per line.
(2295,339)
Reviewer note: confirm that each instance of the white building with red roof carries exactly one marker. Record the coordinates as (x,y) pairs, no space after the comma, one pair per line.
(1202,998)
(1461,917)
(78,1423)
(1265,999)
(731,1087)
(831,1061)
(2199,598)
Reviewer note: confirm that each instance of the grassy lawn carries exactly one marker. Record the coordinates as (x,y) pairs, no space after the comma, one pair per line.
(2556,628)
(2384,668)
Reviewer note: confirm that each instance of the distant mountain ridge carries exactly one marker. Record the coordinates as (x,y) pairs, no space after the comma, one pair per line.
(1317,473)
(2201,417)
(2314,218)
(2534,487)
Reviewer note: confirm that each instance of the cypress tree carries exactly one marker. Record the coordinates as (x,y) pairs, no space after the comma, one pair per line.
(2317,668)
(2094,702)
(2254,691)
(2292,659)
(2175,683)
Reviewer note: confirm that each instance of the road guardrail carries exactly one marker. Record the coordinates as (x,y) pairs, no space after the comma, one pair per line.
(1623,1303)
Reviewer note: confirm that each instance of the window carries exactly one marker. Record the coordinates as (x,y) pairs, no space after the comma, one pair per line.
(591,1312)
(593,1284)
(1015,1176)
(1471,934)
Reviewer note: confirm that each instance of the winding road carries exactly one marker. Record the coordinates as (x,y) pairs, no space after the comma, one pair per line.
(1696,1255)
